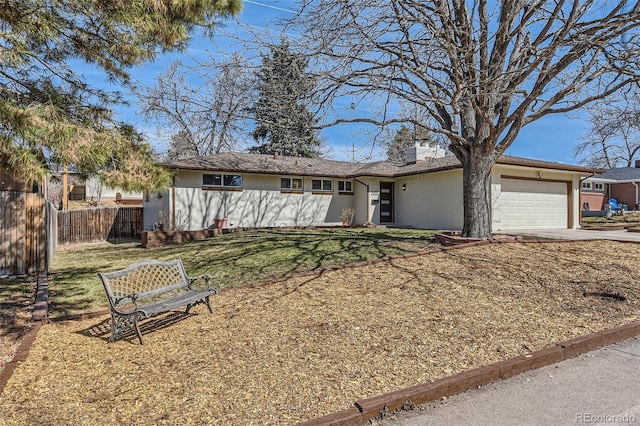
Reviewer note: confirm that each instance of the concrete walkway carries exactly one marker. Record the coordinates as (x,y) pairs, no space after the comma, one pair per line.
(581,234)
(601,387)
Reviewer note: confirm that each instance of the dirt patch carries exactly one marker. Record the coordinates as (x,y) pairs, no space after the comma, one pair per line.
(304,348)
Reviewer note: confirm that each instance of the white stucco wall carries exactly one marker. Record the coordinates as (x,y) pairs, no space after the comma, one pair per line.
(366,209)
(430,201)
(261,203)
(360,200)
(93,186)
(152,206)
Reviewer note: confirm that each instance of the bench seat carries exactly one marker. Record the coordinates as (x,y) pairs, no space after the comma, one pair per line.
(150,287)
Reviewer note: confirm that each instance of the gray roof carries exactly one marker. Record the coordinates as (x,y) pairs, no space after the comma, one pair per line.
(623,173)
(281,165)
(266,164)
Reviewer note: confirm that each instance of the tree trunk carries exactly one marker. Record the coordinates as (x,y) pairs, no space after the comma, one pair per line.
(476,172)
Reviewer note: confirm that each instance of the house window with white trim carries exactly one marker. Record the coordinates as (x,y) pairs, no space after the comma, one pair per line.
(598,186)
(345,186)
(221,181)
(324,185)
(291,184)
(586,185)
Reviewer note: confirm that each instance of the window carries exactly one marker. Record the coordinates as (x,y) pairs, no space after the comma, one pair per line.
(599,186)
(322,185)
(291,183)
(222,180)
(586,185)
(345,186)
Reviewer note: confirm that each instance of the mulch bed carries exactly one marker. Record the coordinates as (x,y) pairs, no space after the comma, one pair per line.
(307,347)
(15,320)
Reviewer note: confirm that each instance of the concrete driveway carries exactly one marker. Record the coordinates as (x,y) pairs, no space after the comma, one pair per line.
(581,234)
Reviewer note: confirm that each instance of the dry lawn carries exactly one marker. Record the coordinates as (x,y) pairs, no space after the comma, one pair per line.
(307,347)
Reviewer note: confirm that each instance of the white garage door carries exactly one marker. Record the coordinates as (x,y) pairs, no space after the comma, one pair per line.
(528,204)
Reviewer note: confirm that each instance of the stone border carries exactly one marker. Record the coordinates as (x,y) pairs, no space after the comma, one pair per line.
(454,238)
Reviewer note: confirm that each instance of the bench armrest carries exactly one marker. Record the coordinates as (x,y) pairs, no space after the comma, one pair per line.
(205,278)
(133,297)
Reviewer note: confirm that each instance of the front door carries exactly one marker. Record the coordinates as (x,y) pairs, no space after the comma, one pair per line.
(386,202)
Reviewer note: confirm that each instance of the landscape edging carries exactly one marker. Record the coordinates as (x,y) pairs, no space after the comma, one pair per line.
(371,408)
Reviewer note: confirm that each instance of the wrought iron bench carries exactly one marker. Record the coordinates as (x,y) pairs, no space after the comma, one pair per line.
(147,288)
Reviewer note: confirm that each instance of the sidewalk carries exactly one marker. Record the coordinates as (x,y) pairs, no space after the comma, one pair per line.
(601,387)
(581,234)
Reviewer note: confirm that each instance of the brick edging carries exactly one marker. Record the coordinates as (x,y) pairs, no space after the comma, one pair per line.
(41,307)
(20,356)
(369,408)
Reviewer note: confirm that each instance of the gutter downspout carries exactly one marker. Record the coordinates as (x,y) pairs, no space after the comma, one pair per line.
(173,202)
(366,186)
(580,197)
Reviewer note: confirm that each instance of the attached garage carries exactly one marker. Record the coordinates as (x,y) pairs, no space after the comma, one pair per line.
(533,204)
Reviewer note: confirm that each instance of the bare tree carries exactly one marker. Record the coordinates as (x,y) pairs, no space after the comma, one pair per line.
(614,135)
(208,117)
(482,69)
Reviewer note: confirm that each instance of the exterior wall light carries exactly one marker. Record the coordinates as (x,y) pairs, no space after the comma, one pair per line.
(404,186)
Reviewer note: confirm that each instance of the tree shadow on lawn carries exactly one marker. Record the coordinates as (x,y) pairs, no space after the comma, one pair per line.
(277,256)
(231,260)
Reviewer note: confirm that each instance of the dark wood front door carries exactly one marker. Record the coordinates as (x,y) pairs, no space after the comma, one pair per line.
(386,202)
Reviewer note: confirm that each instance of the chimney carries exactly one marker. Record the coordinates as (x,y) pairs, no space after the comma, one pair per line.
(422,151)
(637,164)
(276,155)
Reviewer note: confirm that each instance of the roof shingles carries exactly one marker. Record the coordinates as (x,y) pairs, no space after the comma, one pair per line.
(269,164)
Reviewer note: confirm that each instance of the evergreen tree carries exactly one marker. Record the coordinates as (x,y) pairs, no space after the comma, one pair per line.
(48,111)
(404,138)
(285,124)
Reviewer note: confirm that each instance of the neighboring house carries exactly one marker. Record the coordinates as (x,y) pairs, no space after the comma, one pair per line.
(621,184)
(255,190)
(89,190)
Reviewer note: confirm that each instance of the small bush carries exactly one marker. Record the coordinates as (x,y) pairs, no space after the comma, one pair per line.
(347,216)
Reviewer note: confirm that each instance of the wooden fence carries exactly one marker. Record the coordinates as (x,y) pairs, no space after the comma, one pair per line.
(23,248)
(99,224)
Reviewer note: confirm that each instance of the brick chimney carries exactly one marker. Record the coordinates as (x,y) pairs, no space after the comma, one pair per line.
(637,165)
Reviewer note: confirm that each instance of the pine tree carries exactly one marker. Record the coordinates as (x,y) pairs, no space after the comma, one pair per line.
(285,125)
(404,138)
(49,113)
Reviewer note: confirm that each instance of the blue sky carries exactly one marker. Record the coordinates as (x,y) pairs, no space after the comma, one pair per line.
(552,138)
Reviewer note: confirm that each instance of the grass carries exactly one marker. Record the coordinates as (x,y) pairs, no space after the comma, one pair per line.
(232,260)
(628,219)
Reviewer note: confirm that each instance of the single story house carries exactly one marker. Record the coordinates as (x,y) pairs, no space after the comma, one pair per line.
(257,190)
(620,183)
(90,189)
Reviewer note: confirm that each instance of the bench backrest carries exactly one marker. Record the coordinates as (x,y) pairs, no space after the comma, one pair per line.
(146,279)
